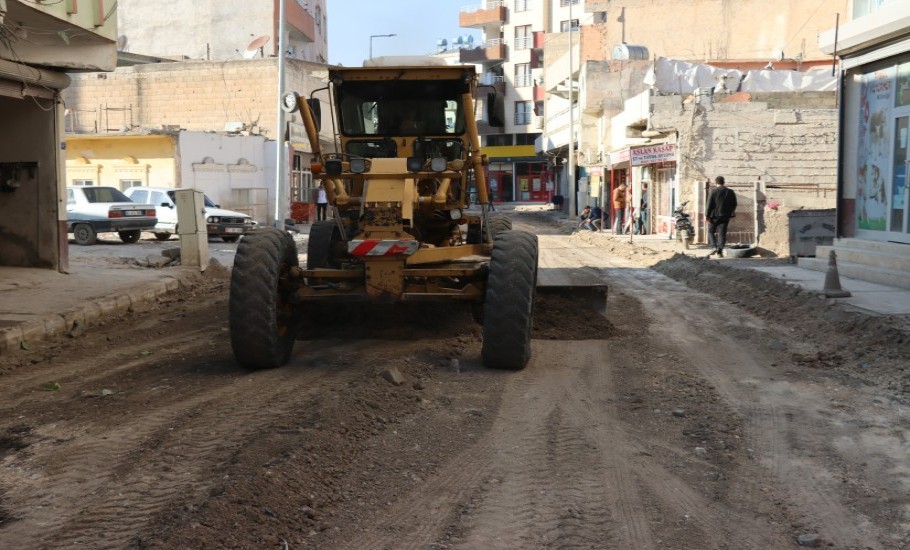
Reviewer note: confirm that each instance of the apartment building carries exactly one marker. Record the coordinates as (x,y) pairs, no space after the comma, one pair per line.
(515,35)
(39,44)
(222,30)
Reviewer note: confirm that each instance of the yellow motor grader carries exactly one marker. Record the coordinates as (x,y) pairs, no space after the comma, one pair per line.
(407,158)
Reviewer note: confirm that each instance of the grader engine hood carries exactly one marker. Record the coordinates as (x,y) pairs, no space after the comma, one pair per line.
(389,200)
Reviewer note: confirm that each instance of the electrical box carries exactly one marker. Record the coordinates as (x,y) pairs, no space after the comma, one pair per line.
(194,237)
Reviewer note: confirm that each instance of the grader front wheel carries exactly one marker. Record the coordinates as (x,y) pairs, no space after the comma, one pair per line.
(262,321)
(509,302)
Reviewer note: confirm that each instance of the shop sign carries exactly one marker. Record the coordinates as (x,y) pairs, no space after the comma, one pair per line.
(618,157)
(652,154)
(298,138)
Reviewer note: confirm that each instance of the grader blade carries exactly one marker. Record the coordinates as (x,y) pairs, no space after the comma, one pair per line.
(579,286)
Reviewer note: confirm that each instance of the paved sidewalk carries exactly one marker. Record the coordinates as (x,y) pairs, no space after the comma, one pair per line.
(870,298)
(37,303)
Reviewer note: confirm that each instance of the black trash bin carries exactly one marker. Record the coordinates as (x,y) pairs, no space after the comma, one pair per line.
(557,201)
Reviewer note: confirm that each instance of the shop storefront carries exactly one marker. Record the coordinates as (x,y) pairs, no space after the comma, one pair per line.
(879,100)
(654,164)
(516,174)
(874,198)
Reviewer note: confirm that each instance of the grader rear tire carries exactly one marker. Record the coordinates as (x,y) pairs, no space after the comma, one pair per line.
(262,320)
(509,304)
(319,248)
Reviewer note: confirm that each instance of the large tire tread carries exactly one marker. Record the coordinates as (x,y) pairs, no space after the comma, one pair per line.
(498,223)
(509,304)
(262,334)
(319,246)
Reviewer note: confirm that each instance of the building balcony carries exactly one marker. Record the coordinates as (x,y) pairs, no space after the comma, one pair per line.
(71,36)
(540,93)
(491,50)
(497,82)
(540,39)
(492,13)
(484,128)
(301,24)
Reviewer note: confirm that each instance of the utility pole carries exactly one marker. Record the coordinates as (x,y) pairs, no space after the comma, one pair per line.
(281,162)
(573,208)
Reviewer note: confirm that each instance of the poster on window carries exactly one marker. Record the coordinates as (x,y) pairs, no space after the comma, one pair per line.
(873,166)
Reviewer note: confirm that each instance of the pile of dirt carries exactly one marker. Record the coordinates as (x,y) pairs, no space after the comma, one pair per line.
(863,348)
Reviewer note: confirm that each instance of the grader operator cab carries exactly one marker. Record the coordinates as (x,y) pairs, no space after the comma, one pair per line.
(407,157)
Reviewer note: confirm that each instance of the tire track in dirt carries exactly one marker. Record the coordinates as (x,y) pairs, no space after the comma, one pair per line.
(537,478)
(183,441)
(771,410)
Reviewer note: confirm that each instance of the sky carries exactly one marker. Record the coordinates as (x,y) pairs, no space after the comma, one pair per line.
(418,24)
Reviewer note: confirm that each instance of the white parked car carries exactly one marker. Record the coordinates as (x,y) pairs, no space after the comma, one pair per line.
(227,224)
(91,210)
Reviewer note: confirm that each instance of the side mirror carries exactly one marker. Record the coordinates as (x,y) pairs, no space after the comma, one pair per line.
(496,109)
(316,110)
(169,205)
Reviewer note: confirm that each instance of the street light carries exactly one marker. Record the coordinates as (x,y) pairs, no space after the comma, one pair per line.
(372,36)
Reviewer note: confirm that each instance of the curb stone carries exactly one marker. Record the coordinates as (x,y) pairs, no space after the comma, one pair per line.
(53,324)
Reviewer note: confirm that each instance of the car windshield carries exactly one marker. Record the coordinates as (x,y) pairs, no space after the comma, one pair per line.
(209,203)
(104,194)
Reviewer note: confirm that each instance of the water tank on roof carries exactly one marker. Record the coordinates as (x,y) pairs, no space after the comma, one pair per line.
(628,52)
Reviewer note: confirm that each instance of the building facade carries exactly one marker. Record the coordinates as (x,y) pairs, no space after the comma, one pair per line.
(210,125)
(509,57)
(586,76)
(39,44)
(221,30)
(875,74)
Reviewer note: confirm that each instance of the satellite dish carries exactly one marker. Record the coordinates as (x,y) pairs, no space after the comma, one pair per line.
(121,43)
(253,47)
(470,39)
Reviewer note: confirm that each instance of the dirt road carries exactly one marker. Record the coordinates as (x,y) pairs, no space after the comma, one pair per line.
(711,408)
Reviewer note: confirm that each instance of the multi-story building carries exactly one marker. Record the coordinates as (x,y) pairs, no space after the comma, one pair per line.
(219,30)
(509,55)
(39,43)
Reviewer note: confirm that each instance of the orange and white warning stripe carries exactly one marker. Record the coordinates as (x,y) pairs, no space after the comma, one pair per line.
(380,247)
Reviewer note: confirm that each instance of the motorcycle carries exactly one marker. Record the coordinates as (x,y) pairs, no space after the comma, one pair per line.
(685,232)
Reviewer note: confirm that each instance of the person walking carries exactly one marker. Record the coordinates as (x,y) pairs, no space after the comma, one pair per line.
(322,202)
(619,207)
(721,207)
(643,210)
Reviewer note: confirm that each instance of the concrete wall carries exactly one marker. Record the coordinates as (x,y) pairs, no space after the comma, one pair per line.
(28,215)
(192,95)
(749,142)
(704,30)
(220,164)
(212,29)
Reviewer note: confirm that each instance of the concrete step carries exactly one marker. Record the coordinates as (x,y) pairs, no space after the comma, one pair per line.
(896,249)
(874,258)
(862,271)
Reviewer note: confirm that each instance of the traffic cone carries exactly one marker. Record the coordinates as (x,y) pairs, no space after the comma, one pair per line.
(832,280)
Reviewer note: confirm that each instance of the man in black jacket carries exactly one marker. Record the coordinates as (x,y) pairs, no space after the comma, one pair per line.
(721,207)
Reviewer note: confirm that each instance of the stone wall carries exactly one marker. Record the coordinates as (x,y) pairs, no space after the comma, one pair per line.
(191,95)
(791,151)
